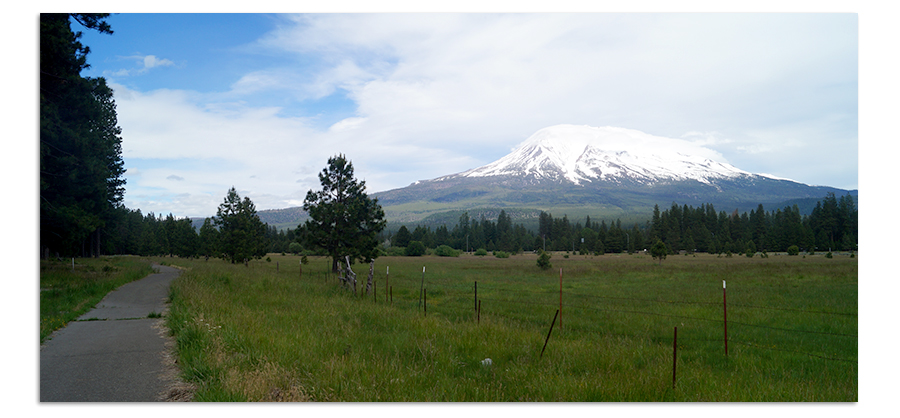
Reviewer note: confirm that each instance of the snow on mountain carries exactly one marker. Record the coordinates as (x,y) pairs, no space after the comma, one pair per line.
(584,154)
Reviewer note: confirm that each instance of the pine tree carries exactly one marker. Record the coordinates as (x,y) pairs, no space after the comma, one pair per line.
(344,221)
(659,251)
(208,237)
(402,237)
(241,233)
(81,166)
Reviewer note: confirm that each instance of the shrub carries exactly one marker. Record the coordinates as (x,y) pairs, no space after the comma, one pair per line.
(501,254)
(659,251)
(446,251)
(295,248)
(543,260)
(415,249)
(481,252)
(793,250)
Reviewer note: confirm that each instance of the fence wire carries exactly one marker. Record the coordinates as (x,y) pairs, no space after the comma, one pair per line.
(463,291)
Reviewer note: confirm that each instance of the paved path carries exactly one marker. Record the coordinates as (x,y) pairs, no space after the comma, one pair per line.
(117,358)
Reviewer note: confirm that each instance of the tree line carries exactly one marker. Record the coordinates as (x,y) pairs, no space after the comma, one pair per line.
(236,234)
(832,226)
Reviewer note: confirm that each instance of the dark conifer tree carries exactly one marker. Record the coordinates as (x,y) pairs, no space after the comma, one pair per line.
(81,167)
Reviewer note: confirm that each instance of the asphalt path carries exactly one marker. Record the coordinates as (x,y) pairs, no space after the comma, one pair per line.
(113,353)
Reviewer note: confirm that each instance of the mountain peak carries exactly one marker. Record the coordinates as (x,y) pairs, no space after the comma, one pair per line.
(579,154)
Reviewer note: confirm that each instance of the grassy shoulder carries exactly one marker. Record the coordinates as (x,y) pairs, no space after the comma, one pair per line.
(67,292)
(268,332)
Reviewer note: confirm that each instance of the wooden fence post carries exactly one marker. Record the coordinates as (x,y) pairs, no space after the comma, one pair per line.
(725,316)
(674,355)
(422,287)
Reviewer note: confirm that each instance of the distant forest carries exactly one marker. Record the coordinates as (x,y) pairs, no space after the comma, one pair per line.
(832,226)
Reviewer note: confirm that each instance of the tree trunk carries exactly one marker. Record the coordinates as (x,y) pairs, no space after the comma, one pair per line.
(96,250)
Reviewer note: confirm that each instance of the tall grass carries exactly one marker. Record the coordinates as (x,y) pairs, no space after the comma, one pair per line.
(263,333)
(67,293)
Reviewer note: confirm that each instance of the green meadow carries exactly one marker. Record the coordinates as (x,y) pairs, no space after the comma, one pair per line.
(271,332)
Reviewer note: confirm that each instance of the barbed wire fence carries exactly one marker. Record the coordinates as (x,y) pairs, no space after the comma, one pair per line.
(500,300)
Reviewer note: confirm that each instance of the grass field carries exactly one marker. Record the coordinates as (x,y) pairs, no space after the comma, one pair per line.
(264,333)
(67,291)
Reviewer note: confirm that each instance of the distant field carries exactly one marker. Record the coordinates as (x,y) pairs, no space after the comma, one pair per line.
(264,333)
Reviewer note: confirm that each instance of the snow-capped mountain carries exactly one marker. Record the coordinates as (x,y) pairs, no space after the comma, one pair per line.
(599,171)
(584,154)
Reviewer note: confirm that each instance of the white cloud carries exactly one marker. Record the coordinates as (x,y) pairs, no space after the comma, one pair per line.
(441,93)
(151,61)
(498,78)
(706,138)
(144,64)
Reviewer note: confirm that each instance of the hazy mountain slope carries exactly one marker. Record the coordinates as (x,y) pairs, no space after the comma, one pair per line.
(581,170)
(574,169)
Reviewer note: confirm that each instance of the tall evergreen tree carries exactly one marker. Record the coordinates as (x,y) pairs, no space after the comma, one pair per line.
(209,239)
(344,221)
(241,233)
(402,237)
(81,167)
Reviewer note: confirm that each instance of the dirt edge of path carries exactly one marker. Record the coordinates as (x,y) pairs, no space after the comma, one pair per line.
(175,389)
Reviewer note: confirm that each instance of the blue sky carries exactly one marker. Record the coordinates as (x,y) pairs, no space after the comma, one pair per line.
(260,101)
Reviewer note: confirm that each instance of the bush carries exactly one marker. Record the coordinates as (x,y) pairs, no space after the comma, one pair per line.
(295,248)
(446,251)
(501,254)
(659,251)
(415,249)
(543,260)
(481,252)
(793,250)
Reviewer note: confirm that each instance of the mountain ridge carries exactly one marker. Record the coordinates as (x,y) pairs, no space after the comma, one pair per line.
(604,172)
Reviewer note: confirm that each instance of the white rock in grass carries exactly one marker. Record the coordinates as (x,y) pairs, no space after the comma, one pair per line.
(486,362)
